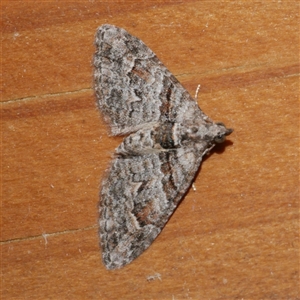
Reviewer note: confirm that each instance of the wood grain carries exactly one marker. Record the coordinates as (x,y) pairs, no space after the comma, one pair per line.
(236,236)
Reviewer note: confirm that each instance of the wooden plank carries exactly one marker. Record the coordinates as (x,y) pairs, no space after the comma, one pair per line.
(236,236)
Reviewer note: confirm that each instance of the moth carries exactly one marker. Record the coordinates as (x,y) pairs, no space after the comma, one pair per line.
(167,136)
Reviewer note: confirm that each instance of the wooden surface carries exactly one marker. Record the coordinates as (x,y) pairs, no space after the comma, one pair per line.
(236,236)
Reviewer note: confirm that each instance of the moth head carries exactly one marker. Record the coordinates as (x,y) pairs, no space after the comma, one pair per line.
(220,132)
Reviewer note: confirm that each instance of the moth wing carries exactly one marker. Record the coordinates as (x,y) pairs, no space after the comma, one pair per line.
(139,195)
(133,88)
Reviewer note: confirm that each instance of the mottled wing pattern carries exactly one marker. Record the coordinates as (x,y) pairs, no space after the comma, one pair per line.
(138,197)
(133,87)
(156,163)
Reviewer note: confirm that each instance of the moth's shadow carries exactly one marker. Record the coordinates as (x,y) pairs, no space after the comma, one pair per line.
(219,149)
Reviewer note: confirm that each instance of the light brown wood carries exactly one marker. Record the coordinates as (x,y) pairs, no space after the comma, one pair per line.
(236,236)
